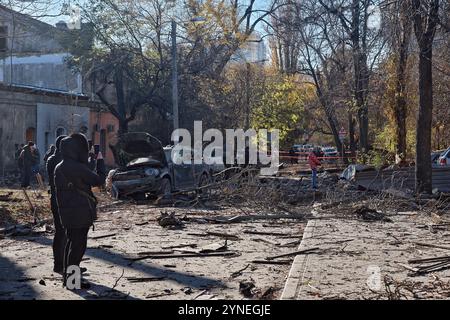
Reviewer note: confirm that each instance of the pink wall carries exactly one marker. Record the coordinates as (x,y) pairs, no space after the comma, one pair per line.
(103,123)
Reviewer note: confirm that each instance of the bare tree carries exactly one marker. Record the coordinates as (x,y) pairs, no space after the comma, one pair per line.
(399,28)
(425,14)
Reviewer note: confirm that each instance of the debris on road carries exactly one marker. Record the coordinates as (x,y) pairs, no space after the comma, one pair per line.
(247,288)
(366,214)
(108,235)
(296,253)
(169,220)
(144,279)
(239,272)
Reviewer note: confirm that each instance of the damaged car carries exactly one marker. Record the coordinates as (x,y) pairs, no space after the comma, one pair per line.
(145,167)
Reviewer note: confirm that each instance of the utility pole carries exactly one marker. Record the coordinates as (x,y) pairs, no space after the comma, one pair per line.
(247,91)
(176,123)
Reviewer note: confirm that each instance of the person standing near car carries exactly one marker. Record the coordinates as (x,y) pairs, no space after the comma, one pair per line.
(77,205)
(314,162)
(59,240)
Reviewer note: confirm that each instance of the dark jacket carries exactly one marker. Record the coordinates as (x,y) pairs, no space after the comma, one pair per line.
(49,153)
(26,158)
(73,182)
(52,162)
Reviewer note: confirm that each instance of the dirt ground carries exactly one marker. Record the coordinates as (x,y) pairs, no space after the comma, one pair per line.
(124,230)
(129,253)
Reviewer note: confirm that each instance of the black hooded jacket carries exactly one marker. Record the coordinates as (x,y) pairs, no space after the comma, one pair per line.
(52,162)
(73,182)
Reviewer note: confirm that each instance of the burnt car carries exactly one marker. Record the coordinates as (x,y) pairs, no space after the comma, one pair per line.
(145,167)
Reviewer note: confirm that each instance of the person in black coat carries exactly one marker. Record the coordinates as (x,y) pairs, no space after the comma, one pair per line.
(77,205)
(59,240)
(26,161)
(51,151)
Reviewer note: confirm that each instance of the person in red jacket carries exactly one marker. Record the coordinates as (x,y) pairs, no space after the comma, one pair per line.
(314,162)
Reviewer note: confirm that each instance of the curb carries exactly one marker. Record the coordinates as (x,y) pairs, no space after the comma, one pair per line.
(294,281)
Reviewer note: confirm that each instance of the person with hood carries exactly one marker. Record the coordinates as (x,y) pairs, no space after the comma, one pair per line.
(77,205)
(59,240)
(49,153)
(26,161)
(314,162)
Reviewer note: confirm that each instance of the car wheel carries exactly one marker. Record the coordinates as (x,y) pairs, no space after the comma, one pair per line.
(166,187)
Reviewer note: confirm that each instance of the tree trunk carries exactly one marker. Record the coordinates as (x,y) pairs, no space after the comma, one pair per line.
(351,133)
(424,121)
(401,106)
(360,72)
(121,106)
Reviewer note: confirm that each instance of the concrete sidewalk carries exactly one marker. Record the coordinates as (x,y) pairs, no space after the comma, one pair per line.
(356,256)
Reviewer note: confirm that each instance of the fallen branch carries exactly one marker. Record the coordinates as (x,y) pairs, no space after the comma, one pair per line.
(103,236)
(187,255)
(431,245)
(437,259)
(280,262)
(296,253)
(278,234)
(145,279)
(239,272)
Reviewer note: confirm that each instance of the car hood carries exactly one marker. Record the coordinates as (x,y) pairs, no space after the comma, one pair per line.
(137,145)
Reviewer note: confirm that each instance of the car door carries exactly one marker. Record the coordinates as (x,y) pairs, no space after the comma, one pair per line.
(183,173)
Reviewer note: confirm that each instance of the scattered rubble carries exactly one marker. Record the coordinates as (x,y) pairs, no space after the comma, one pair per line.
(169,220)
(247,288)
(366,214)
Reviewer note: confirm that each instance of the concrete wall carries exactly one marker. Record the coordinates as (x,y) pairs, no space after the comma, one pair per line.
(15,119)
(66,118)
(19,111)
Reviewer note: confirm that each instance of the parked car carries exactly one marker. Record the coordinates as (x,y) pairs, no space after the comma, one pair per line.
(146,167)
(444,159)
(435,157)
(330,154)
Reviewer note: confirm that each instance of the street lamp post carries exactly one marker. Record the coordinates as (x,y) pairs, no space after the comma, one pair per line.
(176,123)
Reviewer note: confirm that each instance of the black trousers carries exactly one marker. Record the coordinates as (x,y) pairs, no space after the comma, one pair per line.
(59,240)
(75,246)
(26,176)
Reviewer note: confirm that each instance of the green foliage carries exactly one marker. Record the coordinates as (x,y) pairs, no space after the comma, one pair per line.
(282,107)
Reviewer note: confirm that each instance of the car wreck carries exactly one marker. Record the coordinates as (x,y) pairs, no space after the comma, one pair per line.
(146,167)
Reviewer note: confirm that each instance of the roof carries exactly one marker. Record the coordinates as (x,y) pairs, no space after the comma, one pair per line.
(28,18)
(43,91)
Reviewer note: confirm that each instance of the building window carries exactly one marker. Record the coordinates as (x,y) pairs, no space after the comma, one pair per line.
(30,135)
(60,131)
(3,38)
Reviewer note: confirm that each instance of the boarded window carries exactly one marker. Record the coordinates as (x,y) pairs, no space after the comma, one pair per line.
(3,38)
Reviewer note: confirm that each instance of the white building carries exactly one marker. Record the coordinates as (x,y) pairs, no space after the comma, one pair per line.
(252,51)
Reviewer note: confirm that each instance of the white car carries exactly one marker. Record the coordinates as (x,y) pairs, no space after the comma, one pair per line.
(444,159)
